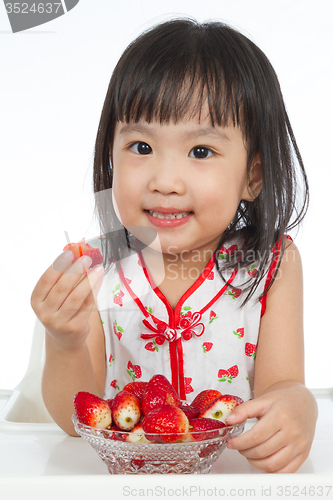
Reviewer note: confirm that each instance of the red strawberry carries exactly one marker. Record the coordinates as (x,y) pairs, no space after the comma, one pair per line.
(202,428)
(92,410)
(250,350)
(206,346)
(204,398)
(83,248)
(210,275)
(159,392)
(116,435)
(137,435)
(137,388)
(126,411)
(110,403)
(190,411)
(168,421)
(221,407)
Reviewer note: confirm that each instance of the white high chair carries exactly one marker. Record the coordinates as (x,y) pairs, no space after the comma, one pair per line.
(23,407)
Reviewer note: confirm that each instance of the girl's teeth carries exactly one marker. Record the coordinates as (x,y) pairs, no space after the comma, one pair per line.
(178,215)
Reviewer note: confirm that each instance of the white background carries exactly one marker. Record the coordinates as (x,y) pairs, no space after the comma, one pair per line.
(52,87)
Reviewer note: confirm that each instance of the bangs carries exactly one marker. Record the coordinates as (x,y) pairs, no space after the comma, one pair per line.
(170,76)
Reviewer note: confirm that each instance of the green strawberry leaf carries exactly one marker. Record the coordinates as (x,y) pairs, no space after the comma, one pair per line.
(187,308)
(120,329)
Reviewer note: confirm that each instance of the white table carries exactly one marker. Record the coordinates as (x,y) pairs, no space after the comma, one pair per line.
(40,460)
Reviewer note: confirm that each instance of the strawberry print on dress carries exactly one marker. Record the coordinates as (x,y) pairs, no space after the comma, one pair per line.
(206,346)
(226,253)
(134,371)
(188,387)
(228,375)
(252,271)
(114,384)
(212,316)
(250,350)
(239,333)
(117,295)
(117,330)
(235,293)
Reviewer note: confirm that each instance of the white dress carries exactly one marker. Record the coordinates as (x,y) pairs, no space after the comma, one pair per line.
(206,342)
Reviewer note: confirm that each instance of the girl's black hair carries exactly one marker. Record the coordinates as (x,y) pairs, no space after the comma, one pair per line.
(173,70)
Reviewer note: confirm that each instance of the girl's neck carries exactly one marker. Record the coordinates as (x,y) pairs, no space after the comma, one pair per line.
(175,273)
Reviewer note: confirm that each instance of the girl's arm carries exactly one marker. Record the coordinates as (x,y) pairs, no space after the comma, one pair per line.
(64,301)
(286,410)
(67,372)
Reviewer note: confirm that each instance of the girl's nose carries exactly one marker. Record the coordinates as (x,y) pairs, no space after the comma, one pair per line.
(167,178)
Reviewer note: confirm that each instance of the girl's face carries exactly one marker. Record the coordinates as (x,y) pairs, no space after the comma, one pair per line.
(185,180)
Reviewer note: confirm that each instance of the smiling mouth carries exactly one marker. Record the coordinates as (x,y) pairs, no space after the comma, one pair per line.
(169,216)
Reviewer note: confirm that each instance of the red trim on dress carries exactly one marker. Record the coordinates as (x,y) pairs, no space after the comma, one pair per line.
(132,294)
(221,292)
(275,251)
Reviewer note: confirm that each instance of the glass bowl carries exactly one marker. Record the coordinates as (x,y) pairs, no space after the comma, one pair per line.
(182,457)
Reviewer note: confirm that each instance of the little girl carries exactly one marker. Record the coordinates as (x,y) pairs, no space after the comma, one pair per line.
(201,284)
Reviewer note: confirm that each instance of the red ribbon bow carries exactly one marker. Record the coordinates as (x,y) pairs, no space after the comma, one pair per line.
(186,328)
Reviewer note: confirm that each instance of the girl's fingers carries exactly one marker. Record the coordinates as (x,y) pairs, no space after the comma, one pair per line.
(65,284)
(263,430)
(51,276)
(265,449)
(284,460)
(80,301)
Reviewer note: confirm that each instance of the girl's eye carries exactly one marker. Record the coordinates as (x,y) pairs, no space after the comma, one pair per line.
(200,152)
(141,148)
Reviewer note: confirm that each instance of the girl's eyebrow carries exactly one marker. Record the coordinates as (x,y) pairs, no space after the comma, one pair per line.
(207,131)
(127,128)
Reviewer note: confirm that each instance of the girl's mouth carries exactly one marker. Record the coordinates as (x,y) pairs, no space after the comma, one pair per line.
(177,215)
(167,219)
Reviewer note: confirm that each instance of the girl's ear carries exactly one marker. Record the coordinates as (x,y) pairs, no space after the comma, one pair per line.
(254,185)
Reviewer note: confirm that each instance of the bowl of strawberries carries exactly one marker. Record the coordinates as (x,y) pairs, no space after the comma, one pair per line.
(147,429)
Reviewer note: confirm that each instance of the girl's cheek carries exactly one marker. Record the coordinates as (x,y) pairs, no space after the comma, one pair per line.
(115,205)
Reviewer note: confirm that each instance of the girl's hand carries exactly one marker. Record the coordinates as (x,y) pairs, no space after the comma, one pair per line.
(64,297)
(281,439)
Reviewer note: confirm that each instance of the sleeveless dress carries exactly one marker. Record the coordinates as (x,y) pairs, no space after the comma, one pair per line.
(206,342)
